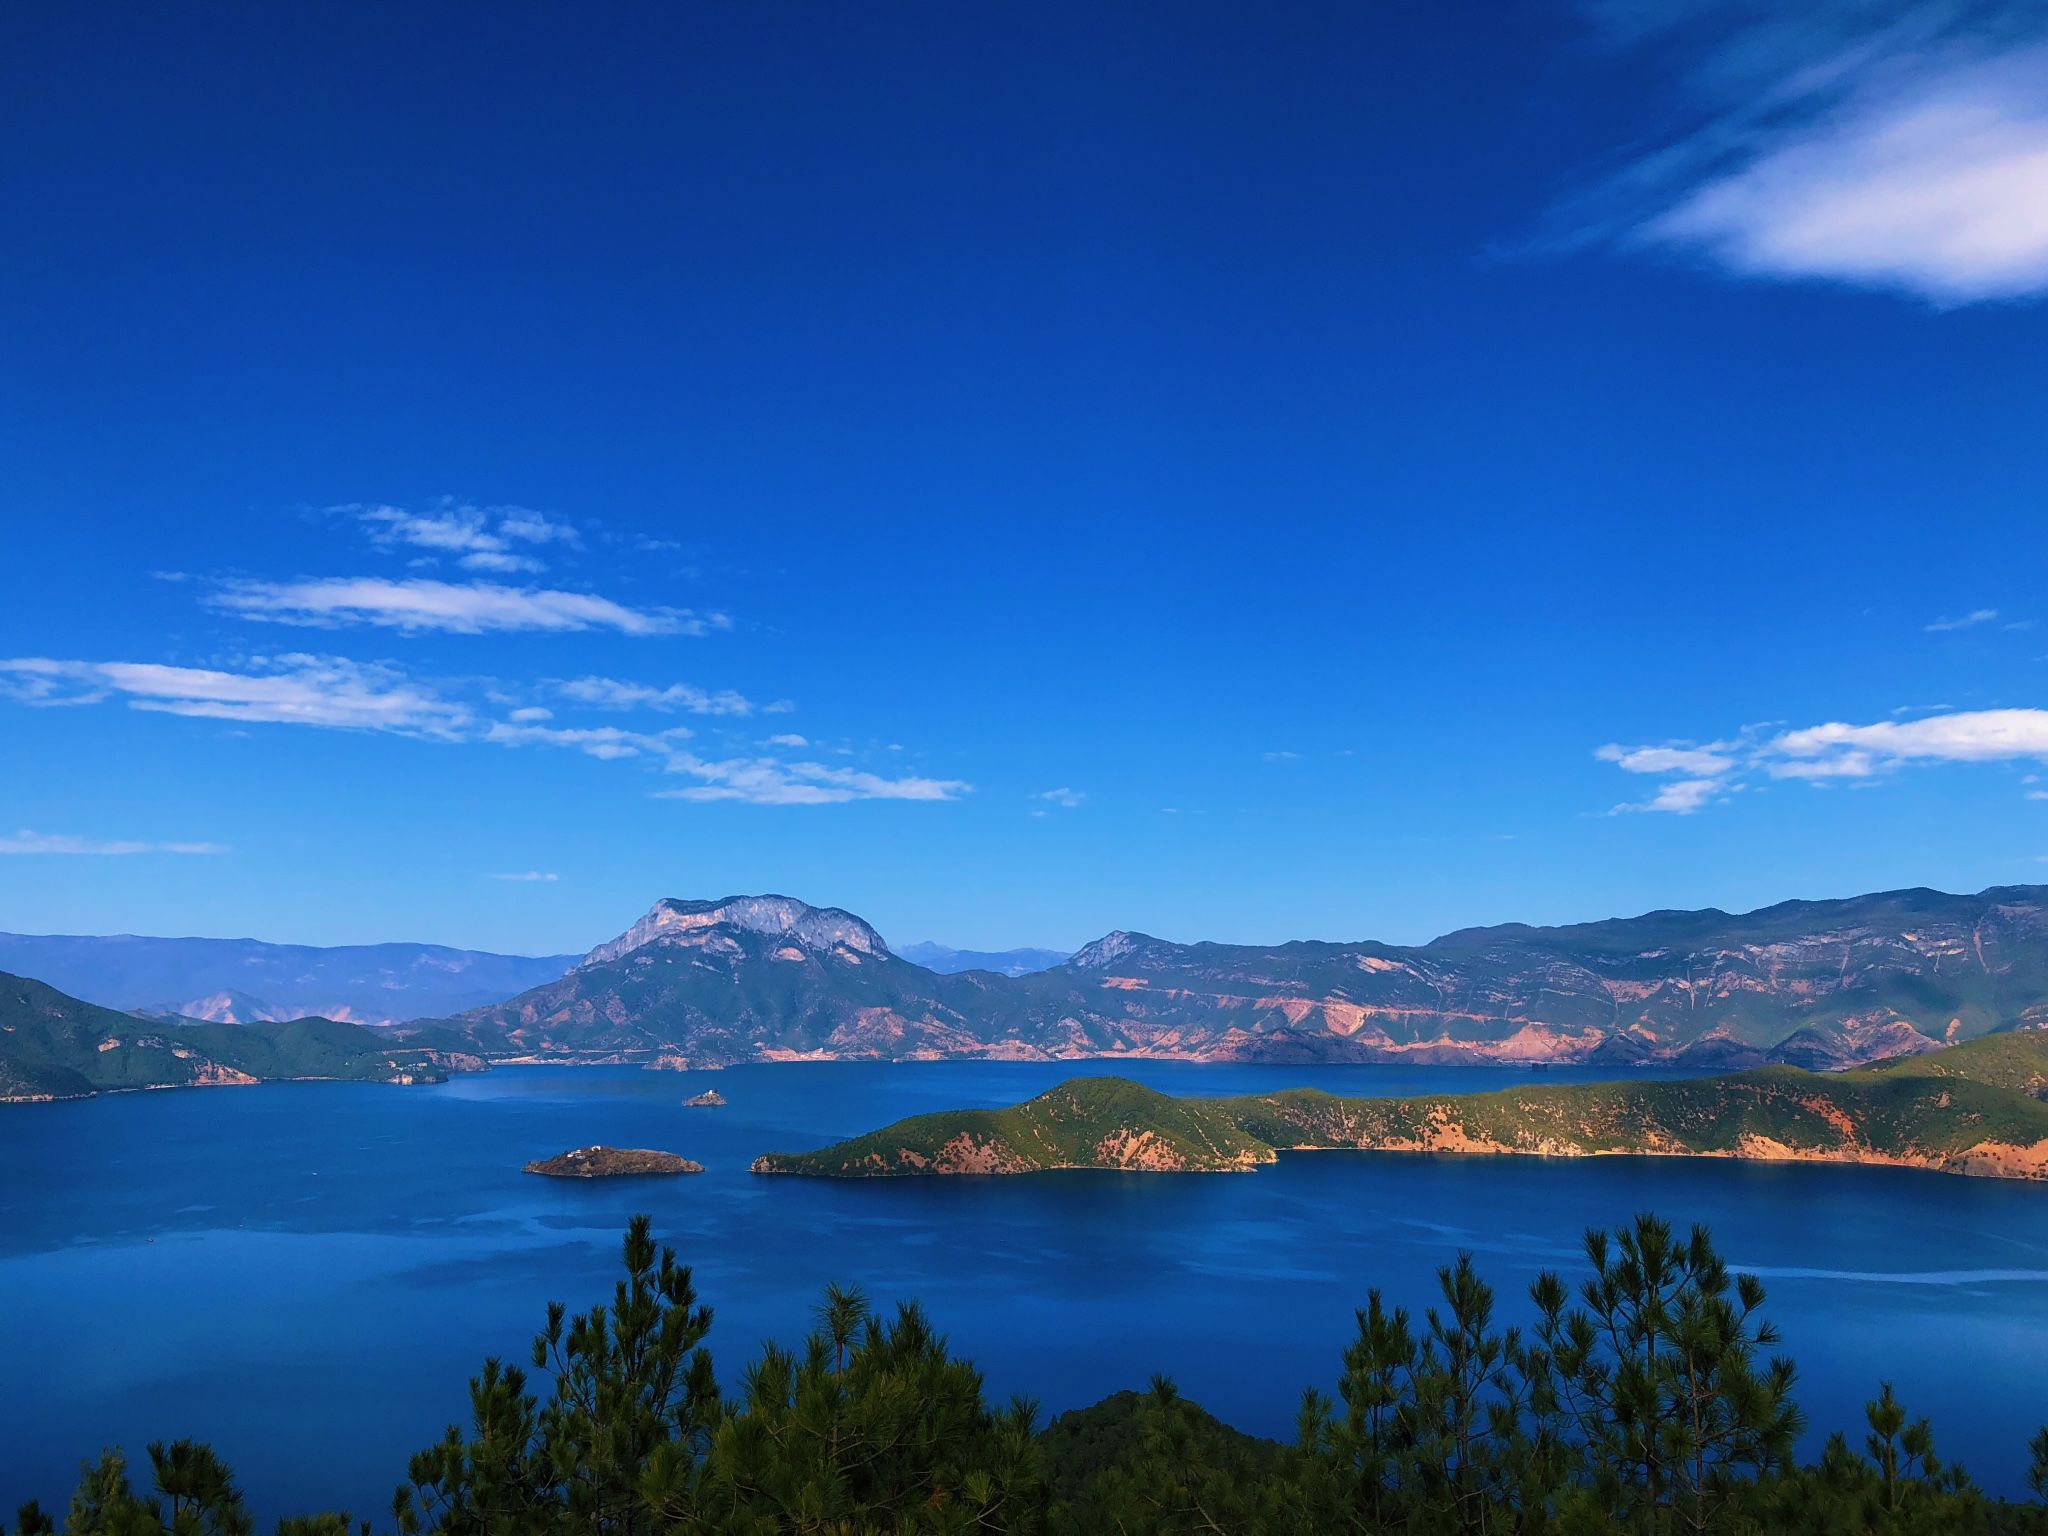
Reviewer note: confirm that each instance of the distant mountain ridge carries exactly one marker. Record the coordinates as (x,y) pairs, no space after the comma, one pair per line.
(1815,984)
(948,961)
(241,981)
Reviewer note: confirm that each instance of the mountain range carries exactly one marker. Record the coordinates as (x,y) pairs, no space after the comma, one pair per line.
(243,981)
(1810,983)
(1004,962)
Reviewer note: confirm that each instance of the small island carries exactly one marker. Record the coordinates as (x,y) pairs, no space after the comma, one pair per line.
(612,1163)
(710,1099)
(1979,1108)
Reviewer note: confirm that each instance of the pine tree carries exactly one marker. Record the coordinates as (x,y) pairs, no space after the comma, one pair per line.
(873,1427)
(203,1498)
(1659,1373)
(105,1505)
(614,1450)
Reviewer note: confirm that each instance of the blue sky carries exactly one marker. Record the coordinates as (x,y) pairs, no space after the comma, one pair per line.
(1017,470)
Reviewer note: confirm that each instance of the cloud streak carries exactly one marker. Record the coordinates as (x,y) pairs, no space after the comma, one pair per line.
(332,693)
(293,689)
(496,539)
(27,842)
(605,742)
(1901,147)
(677,698)
(1967,621)
(465,608)
(1697,776)
(770,781)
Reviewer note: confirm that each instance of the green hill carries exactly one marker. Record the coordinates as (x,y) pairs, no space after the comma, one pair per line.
(56,1047)
(1975,1109)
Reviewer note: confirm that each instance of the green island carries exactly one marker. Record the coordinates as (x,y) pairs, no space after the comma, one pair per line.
(1648,1395)
(611,1163)
(57,1047)
(1979,1108)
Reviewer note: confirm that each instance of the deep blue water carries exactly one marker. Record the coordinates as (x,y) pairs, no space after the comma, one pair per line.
(306,1275)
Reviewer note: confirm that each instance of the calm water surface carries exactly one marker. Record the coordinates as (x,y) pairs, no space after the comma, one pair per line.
(307,1274)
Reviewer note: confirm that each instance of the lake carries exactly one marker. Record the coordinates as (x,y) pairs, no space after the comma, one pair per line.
(306,1275)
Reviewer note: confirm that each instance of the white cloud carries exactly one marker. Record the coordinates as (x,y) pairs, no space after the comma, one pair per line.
(768,781)
(1821,754)
(610,693)
(478,538)
(1282,757)
(1067,799)
(531,527)
(333,693)
(788,739)
(607,741)
(287,690)
(1969,736)
(1844,765)
(546,877)
(1709,761)
(27,842)
(1891,147)
(468,608)
(1681,797)
(1967,621)
(750,780)
(501,563)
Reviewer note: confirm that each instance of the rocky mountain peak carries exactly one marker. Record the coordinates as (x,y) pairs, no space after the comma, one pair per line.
(671,920)
(1107,950)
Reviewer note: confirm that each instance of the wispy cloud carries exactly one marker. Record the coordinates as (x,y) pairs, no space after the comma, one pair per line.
(751,780)
(1697,776)
(1709,761)
(1967,621)
(768,781)
(1065,798)
(27,842)
(1282,756)
(496,539)
(683,698)
(468,608)
(531,876)
(291,690)
(1970,736)
(1895,146)
(334,693)
(1681,797)
(607,742)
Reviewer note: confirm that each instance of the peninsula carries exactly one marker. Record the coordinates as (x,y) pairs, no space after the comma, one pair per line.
(1975,1109)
